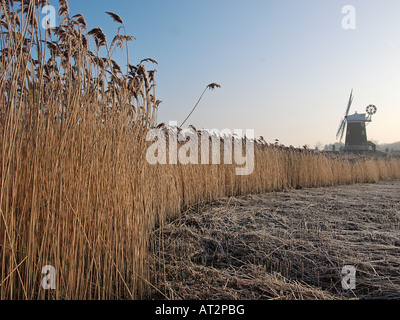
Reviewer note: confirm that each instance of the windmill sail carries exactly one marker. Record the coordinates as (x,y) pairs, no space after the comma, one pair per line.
(349,105)
(340,132)
(343,123)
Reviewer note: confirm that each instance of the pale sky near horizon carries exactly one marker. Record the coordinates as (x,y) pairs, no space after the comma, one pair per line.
(286,67)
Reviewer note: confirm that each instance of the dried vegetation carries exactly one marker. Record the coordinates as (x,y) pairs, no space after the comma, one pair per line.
(284,245)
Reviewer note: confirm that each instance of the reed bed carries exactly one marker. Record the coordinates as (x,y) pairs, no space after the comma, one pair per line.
(76,191)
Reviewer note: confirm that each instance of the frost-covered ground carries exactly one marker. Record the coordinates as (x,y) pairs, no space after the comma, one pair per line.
(284,245)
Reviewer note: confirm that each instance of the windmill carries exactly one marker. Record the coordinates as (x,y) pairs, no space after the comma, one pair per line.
(355,127)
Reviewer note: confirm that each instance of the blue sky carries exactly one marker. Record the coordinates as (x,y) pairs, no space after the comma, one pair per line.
(286,67)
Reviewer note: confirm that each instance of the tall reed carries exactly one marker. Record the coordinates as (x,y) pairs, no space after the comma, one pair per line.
(72,176)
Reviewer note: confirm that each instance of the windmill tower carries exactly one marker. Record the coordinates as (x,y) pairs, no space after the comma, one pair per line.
(355,126)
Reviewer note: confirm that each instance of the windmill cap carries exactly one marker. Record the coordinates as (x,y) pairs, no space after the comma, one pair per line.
(357,117)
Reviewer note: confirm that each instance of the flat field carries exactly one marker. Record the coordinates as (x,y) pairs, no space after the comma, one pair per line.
(284,245)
